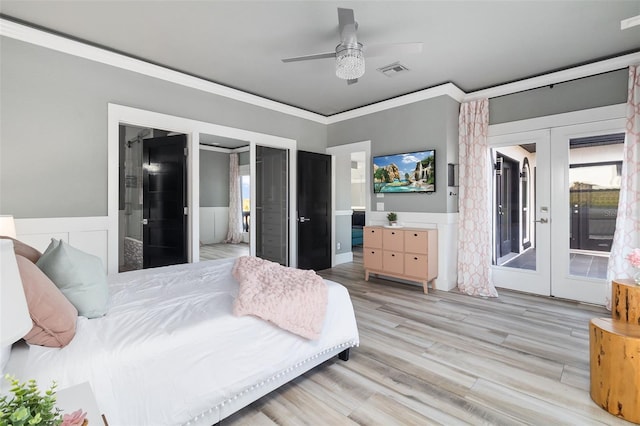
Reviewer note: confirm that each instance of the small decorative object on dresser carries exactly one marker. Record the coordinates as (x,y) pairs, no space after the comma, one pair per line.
(392,218)
(410,254)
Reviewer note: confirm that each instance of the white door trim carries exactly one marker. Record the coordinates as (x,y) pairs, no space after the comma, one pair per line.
(563,284)
(347,149)
(585,122)
(120,114)
(531,281)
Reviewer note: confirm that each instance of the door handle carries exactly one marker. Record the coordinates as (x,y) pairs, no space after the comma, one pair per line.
(542,220)
(145,221)
(304,219)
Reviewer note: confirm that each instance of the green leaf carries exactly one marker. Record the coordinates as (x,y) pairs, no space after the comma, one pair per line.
(20,415)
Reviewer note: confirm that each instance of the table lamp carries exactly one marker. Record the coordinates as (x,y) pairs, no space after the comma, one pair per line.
(15,320)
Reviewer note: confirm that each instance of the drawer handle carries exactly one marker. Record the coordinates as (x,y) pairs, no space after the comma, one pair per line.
(393,255)
(373,252)
(415,258)
(415,235)
(393,233)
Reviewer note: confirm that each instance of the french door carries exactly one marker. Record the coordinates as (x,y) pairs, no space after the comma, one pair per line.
(555,196)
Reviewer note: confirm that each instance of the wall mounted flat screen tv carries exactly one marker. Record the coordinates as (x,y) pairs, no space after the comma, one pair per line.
(409,172)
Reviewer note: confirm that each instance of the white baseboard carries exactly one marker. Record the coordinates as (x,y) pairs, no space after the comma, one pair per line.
(343,258)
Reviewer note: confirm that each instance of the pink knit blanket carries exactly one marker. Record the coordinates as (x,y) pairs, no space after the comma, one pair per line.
(292,299)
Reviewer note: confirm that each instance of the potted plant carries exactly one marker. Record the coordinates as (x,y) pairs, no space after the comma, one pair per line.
(28,406)
(392,218)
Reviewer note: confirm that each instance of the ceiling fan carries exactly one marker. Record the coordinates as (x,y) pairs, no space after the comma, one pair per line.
(349,54)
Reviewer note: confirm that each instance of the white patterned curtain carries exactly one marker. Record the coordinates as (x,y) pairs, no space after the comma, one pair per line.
(627,234)
(234,235)
(474,229)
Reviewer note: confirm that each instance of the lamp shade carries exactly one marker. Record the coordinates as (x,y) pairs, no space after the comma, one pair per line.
(7,226)
(15,320)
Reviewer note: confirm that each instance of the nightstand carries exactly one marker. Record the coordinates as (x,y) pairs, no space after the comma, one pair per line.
(80,397)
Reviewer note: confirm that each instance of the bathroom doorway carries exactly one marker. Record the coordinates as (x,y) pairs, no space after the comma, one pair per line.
(152,198)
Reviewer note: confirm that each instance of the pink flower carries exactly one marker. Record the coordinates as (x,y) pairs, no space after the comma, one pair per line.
(634,258)
(74,419)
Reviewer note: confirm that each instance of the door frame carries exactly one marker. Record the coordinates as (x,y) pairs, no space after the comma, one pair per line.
(591,289)
(120,114)
(557,127)
(531,281)
(346,150)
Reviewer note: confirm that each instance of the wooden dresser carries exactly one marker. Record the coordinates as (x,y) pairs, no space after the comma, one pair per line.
(407,253)
(615,354)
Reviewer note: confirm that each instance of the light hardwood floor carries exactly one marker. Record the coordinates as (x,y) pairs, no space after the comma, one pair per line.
(223,251)
(445,358)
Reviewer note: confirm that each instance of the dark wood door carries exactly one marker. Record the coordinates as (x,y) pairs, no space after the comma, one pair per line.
(507,189)
(314,210)
(272,204)
(164,230)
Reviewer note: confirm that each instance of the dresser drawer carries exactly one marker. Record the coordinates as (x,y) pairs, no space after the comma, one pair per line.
(415,242)
(393,262)
(372,258)
(393,239)
(415,265)
(372,237)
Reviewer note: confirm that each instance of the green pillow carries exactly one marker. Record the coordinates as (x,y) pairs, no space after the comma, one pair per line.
(79,275)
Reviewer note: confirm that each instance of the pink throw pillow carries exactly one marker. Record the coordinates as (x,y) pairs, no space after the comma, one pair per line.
(23,249)
(54,317)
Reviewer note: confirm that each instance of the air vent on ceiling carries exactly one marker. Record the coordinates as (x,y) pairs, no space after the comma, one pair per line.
(393,69)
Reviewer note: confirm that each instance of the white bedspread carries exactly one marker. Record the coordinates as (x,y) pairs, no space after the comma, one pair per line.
(170,351)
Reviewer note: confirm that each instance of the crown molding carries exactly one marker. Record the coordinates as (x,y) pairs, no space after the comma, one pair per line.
(447,89)
(557,77)
(72,47)
(62,44)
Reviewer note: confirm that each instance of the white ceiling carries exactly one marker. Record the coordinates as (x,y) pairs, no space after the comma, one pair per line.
(240,44)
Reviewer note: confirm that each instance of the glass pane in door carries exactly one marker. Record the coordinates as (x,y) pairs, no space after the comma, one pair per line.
(272,204)
(595,165)
(514,206)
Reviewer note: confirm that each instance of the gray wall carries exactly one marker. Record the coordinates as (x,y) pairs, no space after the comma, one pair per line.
(428,124)
(53,134)
(243,158)
(214,179)
(589,92)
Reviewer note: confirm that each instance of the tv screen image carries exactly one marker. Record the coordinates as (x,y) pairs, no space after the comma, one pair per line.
(405,173)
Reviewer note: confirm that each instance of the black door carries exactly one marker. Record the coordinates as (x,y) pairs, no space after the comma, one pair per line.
(314,211)
(507,200)
(272,204)
(164,232)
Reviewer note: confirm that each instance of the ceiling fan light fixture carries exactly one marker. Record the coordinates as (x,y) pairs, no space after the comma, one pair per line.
(349,62)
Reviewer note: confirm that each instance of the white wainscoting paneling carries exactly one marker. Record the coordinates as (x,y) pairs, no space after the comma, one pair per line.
(214,224)
(88,234)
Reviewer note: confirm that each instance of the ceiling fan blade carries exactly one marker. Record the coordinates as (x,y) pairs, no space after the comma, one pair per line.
(309,57)
(388,49)
(352,81)
(347,26)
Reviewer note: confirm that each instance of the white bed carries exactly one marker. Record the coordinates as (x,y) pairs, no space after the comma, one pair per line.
(169,351)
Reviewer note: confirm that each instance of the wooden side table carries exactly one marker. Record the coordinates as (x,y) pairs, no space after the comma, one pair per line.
(625,301)
(614,347)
